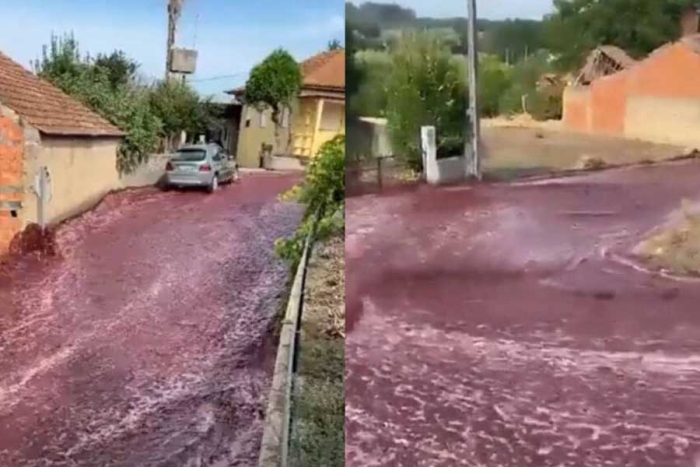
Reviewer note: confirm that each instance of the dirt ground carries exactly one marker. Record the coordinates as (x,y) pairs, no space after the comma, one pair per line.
(319,418)
(148,342)
(517,151)
(510,324)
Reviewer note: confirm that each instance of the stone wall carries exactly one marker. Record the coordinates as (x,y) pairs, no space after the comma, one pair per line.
(147,174)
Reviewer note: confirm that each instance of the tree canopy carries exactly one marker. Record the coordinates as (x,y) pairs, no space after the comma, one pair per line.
(570,32)
(637,26)
(274,83)
(107,84)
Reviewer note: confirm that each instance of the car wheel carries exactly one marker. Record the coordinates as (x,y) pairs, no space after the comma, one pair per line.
(214,185)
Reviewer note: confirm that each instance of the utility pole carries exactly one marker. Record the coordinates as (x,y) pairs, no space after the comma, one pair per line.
(174,12)
(472,151)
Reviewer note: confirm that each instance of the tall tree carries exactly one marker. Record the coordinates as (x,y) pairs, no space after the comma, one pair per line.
(637,26)
(513,40)
(179,108)
(275,84)
(119,69)
(334,45)
(107,90)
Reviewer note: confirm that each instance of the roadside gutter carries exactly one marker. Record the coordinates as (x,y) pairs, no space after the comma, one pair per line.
(275,442)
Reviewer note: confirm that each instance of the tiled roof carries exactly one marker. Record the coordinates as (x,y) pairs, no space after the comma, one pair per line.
(47,108)
(325,71)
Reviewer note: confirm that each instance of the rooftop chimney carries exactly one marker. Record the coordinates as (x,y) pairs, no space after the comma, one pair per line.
(690,21)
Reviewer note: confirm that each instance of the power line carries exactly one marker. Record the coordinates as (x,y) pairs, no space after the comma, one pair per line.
(214,78)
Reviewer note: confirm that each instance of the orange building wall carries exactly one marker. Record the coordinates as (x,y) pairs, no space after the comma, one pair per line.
(608,104)
(665,86)
(11,170)
(576,108)
(672,71)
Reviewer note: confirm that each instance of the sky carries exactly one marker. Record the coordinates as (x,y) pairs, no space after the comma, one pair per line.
(490,9)
(230,35)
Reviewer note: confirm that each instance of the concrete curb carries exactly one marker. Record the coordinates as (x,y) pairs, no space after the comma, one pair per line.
(275,441)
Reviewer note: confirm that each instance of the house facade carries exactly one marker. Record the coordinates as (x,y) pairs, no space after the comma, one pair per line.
(316,116)
(42,128)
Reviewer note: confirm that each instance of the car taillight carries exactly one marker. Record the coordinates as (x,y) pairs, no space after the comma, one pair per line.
(205,168)
(169,167)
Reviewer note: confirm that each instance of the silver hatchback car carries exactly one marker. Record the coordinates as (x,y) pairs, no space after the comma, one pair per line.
(201,165)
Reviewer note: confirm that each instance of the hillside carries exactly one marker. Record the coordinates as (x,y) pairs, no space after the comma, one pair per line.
(510,39)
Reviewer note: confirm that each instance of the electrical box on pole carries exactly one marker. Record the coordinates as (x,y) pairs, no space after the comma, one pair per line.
(183,61)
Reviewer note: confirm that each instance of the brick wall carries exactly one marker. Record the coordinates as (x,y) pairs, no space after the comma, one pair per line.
(656,100)
(11,174)
(608,104)
(670,72)
(577,108)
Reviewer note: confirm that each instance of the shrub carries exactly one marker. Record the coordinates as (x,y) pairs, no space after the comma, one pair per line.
(370,98)
(426,86)
(323,194)
(546,104)
(179,108)
(108,84)
(494,81)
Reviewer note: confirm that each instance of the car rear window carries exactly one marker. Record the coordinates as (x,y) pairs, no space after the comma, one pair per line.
(190,155)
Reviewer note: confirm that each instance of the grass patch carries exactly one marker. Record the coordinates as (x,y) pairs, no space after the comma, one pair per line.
(319,406)
(676,250)
(318,430)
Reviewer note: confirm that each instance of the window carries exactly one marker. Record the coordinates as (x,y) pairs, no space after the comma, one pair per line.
(332,116)
(263,119)
(190,155)
(217,154)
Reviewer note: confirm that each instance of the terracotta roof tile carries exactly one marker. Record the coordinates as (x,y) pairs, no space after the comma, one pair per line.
(47,108)
(325,70)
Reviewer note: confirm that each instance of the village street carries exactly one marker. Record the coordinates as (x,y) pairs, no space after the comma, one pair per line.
(148,342)
(503,324)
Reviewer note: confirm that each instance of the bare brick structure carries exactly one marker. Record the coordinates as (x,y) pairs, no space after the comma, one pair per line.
(655,99)
(42,127)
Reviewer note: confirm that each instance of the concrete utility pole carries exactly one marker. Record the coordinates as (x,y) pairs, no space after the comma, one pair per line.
(472,152)
(174,13)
